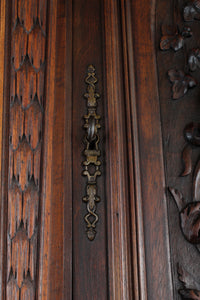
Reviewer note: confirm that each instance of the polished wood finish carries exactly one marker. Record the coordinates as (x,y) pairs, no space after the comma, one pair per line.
(28,41)
(148,216)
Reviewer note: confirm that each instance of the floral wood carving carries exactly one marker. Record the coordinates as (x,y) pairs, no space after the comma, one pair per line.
(189,217)
(192,11)
(192,137)
(25,141)
(174,38)
(191,288)
(181,82)
(194,59)
(92,153)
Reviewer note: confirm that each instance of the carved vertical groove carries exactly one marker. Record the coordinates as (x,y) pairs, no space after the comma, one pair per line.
(25,138)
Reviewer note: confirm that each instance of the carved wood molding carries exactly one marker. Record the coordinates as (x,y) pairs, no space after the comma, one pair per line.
(28,44)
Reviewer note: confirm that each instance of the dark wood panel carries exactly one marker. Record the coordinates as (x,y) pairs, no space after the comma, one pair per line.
(154,206)
(89,257)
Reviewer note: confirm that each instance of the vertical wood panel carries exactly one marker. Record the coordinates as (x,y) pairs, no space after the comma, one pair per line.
(46,196)
(119,261)
(136,209)
(90,261)
(155,219)
(68,205)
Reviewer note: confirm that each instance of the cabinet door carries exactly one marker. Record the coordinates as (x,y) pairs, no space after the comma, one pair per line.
(99,130)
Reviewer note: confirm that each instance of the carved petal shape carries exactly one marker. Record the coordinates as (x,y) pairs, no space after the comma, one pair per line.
(175,42)
(20,250)
(30,209)
(187,32)
(16,124)
(12,290)
(14,13)
(187,279)
(194,59)
(33,256)
(33,124)
(181,82)
(187,159)
(192,133)
(26,83)
(23,164)
(190,222)
(19,42)
(196,182)
(178,197)
(27,290)
(190,294)
(14,210)
(191,11)
(36,47)
(42,14)
(27,12)
(36,166)
(197,4)
(40,85)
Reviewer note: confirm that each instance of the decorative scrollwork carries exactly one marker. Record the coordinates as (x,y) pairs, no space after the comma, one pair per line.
(92,153)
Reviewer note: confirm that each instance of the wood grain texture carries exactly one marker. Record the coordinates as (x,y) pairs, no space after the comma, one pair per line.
(2,141)
(4,125)
(89,258)
(46,192)
(154,206)
(119,261)
(45,253)
(28,42)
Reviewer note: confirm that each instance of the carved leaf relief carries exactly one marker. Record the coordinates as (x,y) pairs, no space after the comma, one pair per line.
(181,82)
(14,210)
(194,59)
(19,44)
(192,137)
(192,11)
(27,290)
(189,215)
(27,14)
(16,124)
(20,256)
(173,38)
(191,288)
(187,160)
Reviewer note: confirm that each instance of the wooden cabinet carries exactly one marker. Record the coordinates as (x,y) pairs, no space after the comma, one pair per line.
(99,130)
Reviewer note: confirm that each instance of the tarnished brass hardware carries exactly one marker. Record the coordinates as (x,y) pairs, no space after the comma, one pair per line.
(91,130)
(92,153)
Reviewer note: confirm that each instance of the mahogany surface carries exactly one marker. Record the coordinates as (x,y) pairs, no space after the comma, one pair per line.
(146,56)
